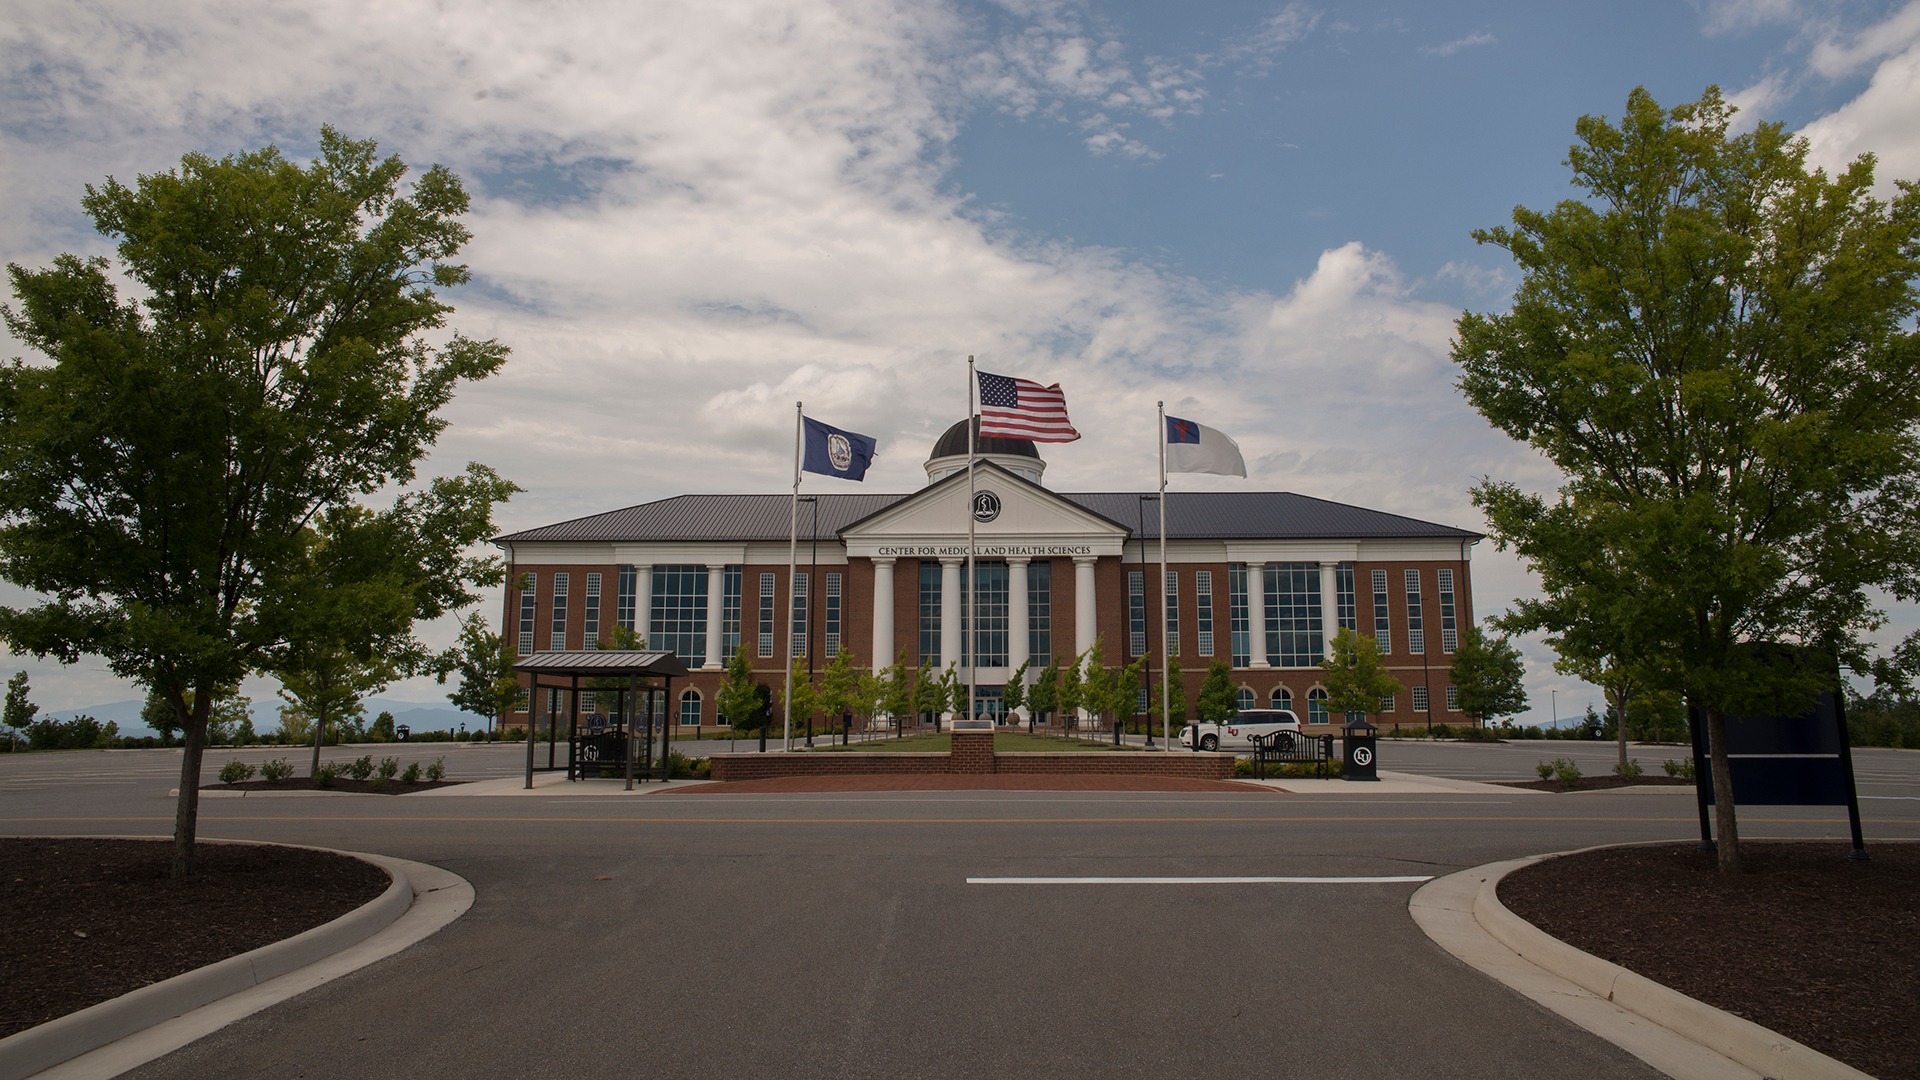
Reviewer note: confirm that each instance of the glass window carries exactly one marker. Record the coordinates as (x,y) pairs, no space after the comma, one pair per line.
(690,708)
(1416,634)
(830,611)
(1419,699)
(1449,629)
(929,612)
(590,615)
(1344,600)
(623,604)
(1237,618)
(559,624)
(730,612)
(990,626)
(1203,610)
(678,621)
(1173,613)
(1243,699)
(766,614)
(797,633)
(1293,615)
(1282,698)
(1316,706)
(526,613)
(1136,614)
(1453,699)
(1389,703)
(1040,608)
(1382,627)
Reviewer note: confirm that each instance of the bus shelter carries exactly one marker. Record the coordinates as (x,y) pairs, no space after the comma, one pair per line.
(640,682)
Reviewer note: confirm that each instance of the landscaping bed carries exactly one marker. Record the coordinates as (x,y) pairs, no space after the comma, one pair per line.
(343,784)
(1598,783)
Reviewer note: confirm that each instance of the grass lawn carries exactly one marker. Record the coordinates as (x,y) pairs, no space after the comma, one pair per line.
(1004,742)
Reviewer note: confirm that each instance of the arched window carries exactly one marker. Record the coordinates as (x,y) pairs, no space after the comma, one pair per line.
(1243,699)
(1316,706)
(1282,698)
(690,708)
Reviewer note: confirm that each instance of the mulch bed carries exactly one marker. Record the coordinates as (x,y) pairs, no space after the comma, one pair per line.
(1598,783)
(1809,943)
(340,783)
(84,920)
(966,782)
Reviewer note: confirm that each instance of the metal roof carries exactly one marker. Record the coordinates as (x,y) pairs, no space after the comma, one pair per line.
(602,662)
(1203,515)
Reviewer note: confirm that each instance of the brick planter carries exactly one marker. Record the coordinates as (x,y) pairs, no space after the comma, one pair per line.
(973,754)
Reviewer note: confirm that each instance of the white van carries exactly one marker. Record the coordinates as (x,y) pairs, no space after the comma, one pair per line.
(1238,733)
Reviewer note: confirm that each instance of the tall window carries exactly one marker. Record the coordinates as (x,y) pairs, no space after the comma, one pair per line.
(559,625)
(766,614)
(1237,624)
(1382,627)
(1416,635)
(1203,610)
(1294,633)
(830,612)
(526,614)
(1173,613)
(930,613)
(1136,614)
(689,708)
(590,615)
(1316,706)
(990,624)
(797,633)
(1283,698)
(678,620)
(730,612)
(1040,608)
(1449,628)
(1419,699)
(1348,608)
(624,599)
(1453,699)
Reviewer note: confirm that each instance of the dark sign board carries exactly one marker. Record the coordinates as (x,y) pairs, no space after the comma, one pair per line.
(1800,760)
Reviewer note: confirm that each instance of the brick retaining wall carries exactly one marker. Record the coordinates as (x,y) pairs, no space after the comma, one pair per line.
(1197,766)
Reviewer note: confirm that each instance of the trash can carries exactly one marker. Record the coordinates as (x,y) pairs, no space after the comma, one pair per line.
(400,732)
(1358,740)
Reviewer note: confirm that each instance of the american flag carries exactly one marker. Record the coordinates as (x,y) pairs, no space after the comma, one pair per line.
(1020,409)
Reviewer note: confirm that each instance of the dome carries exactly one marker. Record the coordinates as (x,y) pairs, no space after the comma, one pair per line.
(954,442)
(949,456)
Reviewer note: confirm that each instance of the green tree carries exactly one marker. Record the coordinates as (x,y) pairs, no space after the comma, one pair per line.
(1044,696)
(1357,681)
(1171,695)
(1716,349)
(1219,700)
(840,691)
(929,694)
(286,354)
(484,661)
(1014,694)
(1070,696)
(19,711)
(736,699)
(1489,678)
(897,696)
(803,696)
(949,691)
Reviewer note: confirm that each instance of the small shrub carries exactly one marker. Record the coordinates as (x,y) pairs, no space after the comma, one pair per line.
(1683,767)
(389,768)
(703,769)
(1545,769)
(325,775)
(1480,734)
(412,774)
(1443,731)
(1565,771)
(437,771)
(1628,769)
(235,771)
(276,770)
(362,768)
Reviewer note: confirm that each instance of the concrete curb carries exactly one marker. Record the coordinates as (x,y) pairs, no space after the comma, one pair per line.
(29,1052)
(1655,1009)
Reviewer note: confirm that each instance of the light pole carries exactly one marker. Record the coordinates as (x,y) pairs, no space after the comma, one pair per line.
(1553,702)
(813,595)
(1140,509)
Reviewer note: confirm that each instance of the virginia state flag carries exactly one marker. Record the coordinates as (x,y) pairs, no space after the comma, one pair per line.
(1197,448)
(831,451)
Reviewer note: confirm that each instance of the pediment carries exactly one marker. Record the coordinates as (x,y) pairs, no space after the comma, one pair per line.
(1025,519)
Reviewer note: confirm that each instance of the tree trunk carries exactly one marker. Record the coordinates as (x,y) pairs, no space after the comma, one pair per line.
(186,812)
(1726,825)
(319,736)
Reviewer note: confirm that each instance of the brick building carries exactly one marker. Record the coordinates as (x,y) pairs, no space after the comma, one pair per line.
(1259,579)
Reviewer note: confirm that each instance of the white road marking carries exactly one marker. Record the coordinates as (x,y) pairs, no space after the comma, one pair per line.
(1196,880)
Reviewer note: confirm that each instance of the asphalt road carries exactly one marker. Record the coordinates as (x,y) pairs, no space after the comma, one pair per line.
(723,935)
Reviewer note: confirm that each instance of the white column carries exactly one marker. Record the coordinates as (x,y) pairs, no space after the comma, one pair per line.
(1329,606)
(1257,615)
(949,612)
(643,602)
(882,613)
(1085,626)
(716,616)
(1018,617)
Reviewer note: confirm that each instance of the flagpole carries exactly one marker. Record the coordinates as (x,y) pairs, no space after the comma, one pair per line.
(1166,653)
(970,645)
(793,562)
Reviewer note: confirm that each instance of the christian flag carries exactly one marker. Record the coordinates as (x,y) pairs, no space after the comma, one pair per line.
(1020,409)
(1197,448)
(833,452)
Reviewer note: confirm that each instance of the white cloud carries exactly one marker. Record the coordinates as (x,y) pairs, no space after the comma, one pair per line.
(1727,16)
(1883,120)
(1258,50)
(1836,56)
(1456,45)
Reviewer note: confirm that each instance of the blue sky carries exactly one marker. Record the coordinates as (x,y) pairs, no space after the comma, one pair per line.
(689,215)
